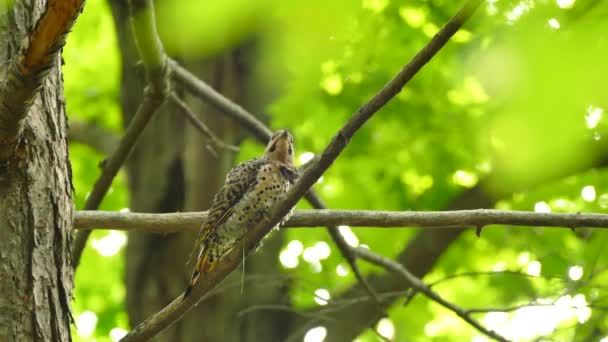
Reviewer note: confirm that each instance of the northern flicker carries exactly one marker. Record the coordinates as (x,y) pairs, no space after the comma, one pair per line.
(251,190)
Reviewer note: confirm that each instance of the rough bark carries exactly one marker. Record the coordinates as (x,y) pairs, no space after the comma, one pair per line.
(170,170)
(36,208)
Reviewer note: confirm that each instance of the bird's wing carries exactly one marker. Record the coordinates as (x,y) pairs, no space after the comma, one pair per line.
(240,180)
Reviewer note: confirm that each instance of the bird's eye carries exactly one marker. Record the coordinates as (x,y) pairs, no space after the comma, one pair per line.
(273,147)
(290,150)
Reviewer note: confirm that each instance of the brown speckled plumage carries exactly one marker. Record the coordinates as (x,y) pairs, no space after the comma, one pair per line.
(252,188)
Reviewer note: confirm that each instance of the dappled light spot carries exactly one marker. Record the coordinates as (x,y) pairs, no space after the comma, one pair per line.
(329,67)
(322,296)
(594,115)
(295,247)
(565,3)
(562,204)
(417,184)
(305,157)
(539,320)
(86,323)
(414,16)
(523,258)
(332,84)
(603,201)
(316,334)
(289,256)
(110,244)
(534,268)
(348,235)
(469,92)
(342,270)
(331,189)
(485,166)
(464,178)
(125,210)
(316,267)
(430,29)
(554,23)
(288,259)
(542,207)
(432,329)
(117,333)
(575,272)
(588,193)
(462,36)
(516,12)
(492,9)
(319,251)
(375,6)
(495,319)
(503,205)
(386,328)
(499,266)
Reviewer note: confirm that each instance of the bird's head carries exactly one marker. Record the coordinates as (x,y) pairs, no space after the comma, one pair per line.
(281,148)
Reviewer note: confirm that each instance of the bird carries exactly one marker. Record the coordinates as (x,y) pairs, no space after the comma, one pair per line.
(250,191)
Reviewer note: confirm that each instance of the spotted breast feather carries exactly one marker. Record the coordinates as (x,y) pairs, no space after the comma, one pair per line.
(252,188)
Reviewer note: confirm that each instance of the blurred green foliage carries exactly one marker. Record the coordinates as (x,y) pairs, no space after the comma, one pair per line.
(514,101)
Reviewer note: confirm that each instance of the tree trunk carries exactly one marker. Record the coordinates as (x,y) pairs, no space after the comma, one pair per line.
(36,208)
(171,170)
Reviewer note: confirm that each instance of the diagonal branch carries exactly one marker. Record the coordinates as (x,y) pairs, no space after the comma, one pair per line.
(176,309)
(213,142)
(194,85)
(262,134)
(421,287)
(26,71)
(157,74)
(451,220)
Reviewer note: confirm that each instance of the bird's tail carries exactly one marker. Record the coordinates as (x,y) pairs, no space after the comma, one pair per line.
(203,265)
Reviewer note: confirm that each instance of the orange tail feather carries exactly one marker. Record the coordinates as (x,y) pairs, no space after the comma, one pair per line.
(203,266)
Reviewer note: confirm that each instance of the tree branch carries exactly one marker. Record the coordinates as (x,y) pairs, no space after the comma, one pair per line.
(201,89)
(262,134)
(27,70)
(179,306)
(157,75)
(457,219)
(421,287)
(533,304)
(213,141)
(98,138)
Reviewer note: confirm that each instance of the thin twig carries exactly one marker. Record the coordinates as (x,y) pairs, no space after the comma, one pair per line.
(474,274)
(456,219)
(157,74)
(533,304)
(176,309)
(213,141)
(421,287)
(201,89)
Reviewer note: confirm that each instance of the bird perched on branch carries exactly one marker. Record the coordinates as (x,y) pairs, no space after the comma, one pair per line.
(252,188)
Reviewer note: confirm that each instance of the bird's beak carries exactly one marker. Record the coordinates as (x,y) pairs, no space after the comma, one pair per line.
(285,133)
